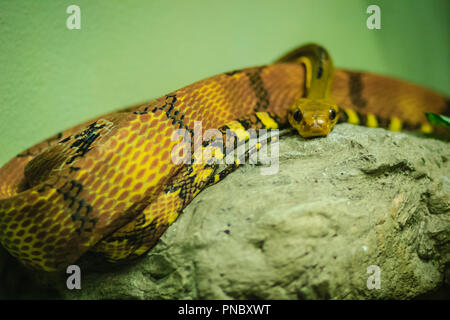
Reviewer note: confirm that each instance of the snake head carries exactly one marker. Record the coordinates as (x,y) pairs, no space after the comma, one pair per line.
(313,117)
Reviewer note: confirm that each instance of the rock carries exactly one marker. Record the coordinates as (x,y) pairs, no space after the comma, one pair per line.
(338,205)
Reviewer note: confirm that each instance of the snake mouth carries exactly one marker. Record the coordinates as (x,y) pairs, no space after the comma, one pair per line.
(316,127)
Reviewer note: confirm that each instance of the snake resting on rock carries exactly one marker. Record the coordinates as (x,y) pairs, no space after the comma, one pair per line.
(110,186)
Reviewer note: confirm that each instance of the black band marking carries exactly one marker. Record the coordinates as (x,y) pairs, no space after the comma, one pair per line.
(257,85)
(356,87)
(84,140)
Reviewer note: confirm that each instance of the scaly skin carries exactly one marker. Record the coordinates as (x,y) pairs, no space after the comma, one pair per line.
(109,185)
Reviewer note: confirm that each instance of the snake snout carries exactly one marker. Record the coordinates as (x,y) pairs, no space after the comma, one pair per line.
(318,122)
(315,126)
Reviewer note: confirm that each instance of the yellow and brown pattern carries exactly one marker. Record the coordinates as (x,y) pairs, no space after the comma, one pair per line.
(109,185)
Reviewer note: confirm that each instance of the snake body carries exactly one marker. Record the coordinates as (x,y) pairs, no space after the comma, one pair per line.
(110,186)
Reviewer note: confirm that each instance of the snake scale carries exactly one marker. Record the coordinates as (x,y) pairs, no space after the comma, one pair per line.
(109,185)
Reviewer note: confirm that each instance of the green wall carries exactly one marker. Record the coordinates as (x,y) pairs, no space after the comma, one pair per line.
(130,51)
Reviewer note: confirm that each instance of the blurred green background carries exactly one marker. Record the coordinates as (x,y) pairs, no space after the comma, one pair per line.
(131,51)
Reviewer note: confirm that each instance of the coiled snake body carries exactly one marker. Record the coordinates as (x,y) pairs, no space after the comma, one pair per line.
(109,185)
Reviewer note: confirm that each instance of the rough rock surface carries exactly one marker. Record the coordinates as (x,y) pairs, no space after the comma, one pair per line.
(338,205)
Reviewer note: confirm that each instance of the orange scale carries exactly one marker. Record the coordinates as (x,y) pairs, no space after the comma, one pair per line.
(108,156)
(164,124)
(61,217)
(144,118)
(94,153)
(168,132)
(123,133)
(121,146)
(140,142)
(132,168)
(196,115)
(201,98)
(132,138)
(138,186)
(136,198)
(126,151)
(102,220)
(97,167)
(103,170)
(186,101)
(112,143)
(87,179)
(96,185)
(163,168)
(166,143)
(135,125)
(88,163)
(158,114)
(110,174)
(151,177)
(160,180)
(154,163)
(173,169)
(127,183)
(98,202)
(141,173)
(154,123)
(148,146)
(113,192)
(156,138)
(136,155)
(118,178)
(105,187)
(145,159)
(166,155)
(123,164)
(123,196)
(108,205)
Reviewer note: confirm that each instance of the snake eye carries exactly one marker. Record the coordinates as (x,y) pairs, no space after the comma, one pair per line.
(332,114)
(298,116)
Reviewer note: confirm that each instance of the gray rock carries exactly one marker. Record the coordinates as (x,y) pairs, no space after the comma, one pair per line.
(357,198)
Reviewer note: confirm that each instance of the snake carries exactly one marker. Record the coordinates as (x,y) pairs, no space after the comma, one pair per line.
(111,186)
